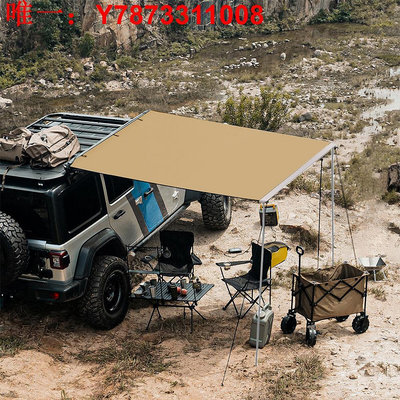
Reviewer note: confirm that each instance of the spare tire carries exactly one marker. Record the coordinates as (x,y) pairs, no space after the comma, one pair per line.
(14,253)
(216,210)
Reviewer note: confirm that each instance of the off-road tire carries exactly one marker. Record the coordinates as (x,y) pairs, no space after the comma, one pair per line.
(14,252)
(108,278)
(216,210)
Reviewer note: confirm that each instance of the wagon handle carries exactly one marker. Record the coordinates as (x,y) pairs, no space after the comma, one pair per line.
(300,252)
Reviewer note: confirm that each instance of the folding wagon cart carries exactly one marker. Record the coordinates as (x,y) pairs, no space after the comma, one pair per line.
(335,292)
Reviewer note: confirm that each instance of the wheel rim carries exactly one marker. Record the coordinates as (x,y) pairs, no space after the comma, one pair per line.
(226,204)
(114,292)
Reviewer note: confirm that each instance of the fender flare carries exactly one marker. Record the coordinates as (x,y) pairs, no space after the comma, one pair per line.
(91,248)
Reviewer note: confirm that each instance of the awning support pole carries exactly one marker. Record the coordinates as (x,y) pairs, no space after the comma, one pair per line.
(333,202)
(261,279)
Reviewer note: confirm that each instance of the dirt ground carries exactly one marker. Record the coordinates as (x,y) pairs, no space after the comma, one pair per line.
(50,354)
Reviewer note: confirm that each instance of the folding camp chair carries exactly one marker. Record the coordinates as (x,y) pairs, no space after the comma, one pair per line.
(245,285)
(175,257)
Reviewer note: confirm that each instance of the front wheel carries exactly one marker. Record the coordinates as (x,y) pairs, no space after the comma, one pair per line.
(288,324)
(106,300)
(216,210)
(311,335)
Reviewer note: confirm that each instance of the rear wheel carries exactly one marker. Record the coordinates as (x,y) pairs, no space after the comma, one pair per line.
(216,210)
(14,253)
(288,324)
(342,319)
(360,323)
(106,300)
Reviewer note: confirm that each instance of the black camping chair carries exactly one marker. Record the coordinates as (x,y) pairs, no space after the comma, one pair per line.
(175,257)
(247,283)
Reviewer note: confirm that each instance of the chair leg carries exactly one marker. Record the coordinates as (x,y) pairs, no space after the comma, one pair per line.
(191,320)
(253,300)
(231,300)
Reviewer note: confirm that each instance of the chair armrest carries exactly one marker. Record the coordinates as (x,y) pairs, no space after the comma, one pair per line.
(232,263)
(196,260)
(144,272)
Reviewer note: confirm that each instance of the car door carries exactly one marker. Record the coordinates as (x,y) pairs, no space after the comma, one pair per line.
(135,208)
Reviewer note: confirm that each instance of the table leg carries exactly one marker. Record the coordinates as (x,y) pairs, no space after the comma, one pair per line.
(155,307)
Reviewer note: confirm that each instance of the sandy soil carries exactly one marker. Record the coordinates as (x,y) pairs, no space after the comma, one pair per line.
(50,363)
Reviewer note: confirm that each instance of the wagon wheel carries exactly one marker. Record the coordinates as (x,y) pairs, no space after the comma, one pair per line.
(311,335)
(341,319)
(360,323)
(288,324)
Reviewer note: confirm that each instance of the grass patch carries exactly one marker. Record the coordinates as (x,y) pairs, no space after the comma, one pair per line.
(391,59)
(303,235)
(124,362)
(379,293)
(11,345)
(298,383)
(132,355)
(391,197)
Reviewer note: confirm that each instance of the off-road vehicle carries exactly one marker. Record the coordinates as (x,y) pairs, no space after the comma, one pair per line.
(64,233)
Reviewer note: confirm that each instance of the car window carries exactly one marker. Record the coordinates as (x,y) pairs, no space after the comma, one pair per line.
(116,187)
(82,204)
(30,210)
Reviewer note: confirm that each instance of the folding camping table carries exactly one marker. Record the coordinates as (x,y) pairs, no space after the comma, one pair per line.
(163,299)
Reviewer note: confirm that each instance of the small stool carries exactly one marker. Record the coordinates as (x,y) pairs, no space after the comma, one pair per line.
(373,264)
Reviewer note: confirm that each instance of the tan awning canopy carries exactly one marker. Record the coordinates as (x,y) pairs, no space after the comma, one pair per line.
(204,156)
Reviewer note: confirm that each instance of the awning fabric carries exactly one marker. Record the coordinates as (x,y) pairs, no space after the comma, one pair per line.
(204,156)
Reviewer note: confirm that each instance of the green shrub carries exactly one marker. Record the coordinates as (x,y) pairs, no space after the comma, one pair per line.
(86,45)
(268,111)
(125,62)
(359,11)
(100,74)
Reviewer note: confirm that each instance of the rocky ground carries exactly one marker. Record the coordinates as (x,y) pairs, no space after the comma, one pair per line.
(346,90)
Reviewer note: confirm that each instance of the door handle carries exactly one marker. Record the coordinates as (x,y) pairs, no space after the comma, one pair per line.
(119,214)
(148,192)
(139,200)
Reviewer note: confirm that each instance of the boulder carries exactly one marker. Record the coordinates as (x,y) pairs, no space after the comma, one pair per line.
(393,181)
(5,102)
(88,66)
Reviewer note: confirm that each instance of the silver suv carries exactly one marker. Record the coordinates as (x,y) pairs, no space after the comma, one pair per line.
(64,233)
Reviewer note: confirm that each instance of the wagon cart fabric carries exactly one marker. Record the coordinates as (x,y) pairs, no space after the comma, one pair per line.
(334,292)
(330,293)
